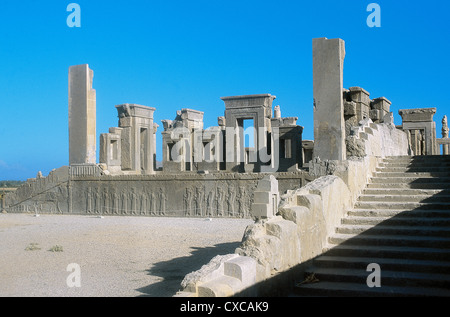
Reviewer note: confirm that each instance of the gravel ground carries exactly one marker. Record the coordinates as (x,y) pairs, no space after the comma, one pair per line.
(117,256)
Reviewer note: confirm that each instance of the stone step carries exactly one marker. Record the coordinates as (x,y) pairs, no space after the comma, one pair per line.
(393,252)
(415,163)
(412,169)
(418,158)
(401,221)
(418,231)
(389,240)
(335,289)
(392,221)
(402,205)
(405,191)
(405,198)
(409,185)
(412,174)
(387,278)
(408,265)
(410,179)
(399,213)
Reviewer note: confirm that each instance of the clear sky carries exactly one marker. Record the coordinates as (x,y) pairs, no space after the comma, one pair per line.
(187,54)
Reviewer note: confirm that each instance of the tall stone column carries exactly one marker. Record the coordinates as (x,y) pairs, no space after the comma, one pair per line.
(82,116)
(329,124)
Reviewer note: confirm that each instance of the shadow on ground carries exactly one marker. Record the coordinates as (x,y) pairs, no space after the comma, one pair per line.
(173,271)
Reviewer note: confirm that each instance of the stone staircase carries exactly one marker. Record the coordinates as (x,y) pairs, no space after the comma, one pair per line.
(402,223)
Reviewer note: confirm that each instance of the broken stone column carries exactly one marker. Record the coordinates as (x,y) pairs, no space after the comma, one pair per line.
(82,116)
(329,125)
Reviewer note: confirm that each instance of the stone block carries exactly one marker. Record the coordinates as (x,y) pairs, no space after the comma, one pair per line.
(242,268)
(222,287)
(266,206)
(417,115)
(358,94)
(381,103)
(349,108)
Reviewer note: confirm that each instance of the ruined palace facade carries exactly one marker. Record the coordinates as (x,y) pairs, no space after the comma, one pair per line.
(219,171)
(206,172)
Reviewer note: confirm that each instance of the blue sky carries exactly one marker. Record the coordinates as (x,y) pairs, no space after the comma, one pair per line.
(187,54)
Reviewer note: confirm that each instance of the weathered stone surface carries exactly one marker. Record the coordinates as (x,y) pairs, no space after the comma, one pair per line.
(273,243)
(82,116)
(382,139)
(421,129)
(266,198)
(417,115)
(329,126)
(355,147)
(212,270)
(223,276)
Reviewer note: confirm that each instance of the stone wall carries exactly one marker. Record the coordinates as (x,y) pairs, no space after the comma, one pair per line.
(382,139)
(306,217)
(85,190)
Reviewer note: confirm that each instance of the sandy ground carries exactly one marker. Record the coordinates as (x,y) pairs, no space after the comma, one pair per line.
(117,256)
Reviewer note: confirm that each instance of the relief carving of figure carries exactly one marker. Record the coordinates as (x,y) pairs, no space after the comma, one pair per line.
(97,201)
(162,202)
(153,204)
(188,195)
(124,199)
(114,202)
(143,203)
(105,201)
(89,201)
(133,202)
(210,203)
(220,196)
(241,202)
(231,199)
(199,201)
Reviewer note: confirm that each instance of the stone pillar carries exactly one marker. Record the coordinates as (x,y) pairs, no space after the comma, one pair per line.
(445,147)
(329,125)
(82,116)
(110,150)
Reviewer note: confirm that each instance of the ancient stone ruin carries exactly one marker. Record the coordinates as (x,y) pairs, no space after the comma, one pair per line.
(297,191)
